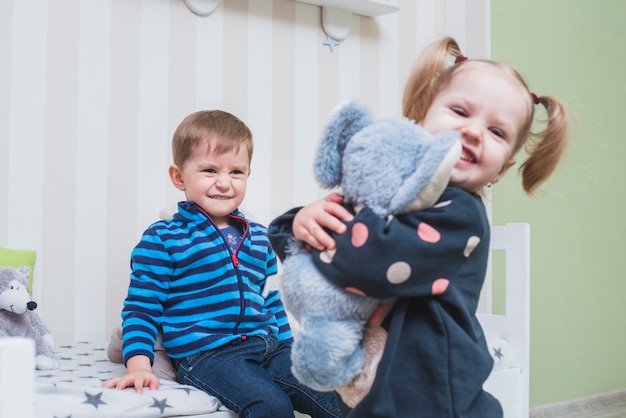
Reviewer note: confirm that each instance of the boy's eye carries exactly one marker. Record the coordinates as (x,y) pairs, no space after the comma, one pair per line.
(209,170)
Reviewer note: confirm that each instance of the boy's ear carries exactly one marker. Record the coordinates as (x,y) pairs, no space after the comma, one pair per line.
(504,169)
(176,176)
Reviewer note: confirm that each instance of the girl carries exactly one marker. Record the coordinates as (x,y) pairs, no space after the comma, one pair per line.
(436,359)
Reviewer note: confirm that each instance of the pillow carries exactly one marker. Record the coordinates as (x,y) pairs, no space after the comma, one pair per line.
(162,366)
(19,258)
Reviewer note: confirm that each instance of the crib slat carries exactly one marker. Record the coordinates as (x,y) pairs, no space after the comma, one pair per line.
(17,380)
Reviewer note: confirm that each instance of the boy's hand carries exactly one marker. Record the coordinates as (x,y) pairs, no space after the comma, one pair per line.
(139,375)
(310,221)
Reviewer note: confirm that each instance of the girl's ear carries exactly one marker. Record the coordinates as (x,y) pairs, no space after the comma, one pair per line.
(176,176)
(504,169)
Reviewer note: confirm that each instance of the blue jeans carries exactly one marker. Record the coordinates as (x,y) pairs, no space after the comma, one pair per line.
(253,378)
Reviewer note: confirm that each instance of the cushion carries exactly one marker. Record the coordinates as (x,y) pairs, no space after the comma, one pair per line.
(19,258)
(162,366)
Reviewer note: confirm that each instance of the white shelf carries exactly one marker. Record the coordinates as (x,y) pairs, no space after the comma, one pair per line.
(361,7)
(202,7)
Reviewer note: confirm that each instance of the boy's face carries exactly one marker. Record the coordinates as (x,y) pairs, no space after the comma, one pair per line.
(488,108)
(217,183)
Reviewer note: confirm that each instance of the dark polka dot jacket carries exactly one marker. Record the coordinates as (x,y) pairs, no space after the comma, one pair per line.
(434,262)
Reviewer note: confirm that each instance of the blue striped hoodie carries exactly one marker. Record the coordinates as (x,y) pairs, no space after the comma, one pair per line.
(186,282)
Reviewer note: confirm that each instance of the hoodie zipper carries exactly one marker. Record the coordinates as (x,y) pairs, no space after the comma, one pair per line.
(242,300)
(235,260)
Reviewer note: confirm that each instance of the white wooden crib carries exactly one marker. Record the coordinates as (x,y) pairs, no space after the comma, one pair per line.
(25,393)
(508,335)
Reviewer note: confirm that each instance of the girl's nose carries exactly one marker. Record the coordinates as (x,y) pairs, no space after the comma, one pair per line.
(471,132)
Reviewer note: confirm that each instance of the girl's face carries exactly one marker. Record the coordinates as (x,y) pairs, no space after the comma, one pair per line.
(488,107)
(217,183)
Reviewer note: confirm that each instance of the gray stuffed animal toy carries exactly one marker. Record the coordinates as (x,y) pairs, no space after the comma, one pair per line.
(18,318)
(391,166)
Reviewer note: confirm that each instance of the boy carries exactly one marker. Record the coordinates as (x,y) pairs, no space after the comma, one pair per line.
(198,278)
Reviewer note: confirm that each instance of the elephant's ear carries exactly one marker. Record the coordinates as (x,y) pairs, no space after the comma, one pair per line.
(348,119)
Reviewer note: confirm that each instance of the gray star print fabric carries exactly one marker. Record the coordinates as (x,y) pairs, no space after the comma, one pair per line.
(74,390)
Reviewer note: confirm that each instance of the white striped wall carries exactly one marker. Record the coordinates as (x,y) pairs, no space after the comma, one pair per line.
(91,91)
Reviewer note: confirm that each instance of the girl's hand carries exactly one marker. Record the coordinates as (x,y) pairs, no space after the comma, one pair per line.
(310,221)
(139,375)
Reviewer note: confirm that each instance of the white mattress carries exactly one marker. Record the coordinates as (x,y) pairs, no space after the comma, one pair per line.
(74,390)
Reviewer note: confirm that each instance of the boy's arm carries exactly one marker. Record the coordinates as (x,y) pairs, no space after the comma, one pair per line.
(138,375)
(274,303)
(149,279)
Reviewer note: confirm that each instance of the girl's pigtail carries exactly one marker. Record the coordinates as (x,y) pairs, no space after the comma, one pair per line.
(422,84)
(546,148)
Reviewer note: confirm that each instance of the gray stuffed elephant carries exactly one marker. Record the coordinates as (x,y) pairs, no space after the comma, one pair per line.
(390,166)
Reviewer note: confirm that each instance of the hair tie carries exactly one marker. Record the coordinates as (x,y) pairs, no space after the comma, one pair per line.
(460,58)
(535,98)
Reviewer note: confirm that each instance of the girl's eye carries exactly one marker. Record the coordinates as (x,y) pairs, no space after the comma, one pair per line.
(209,170)
(459,111)
(497,132)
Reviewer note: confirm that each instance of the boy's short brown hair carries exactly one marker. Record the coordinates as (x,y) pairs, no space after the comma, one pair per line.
(220,130)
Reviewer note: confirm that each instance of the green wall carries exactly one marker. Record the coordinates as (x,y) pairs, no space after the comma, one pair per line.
(574,50)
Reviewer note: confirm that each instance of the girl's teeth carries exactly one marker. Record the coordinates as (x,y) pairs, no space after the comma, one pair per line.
(467,157)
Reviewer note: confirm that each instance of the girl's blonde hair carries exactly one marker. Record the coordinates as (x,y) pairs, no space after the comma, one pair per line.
(220,130)
(434,71)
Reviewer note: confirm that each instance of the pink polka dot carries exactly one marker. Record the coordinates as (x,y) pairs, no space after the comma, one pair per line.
(427,233)
(398,272)
(359,234)
(440,286)
(355,291)
(327,256)
(471,245)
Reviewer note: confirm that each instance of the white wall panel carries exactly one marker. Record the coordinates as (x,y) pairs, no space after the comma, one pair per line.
(209,46)
(153,145)
(306,65)
(455,20)
(120,196)
(388,64)
(27,122)
(6,40)
(92,133)
(92,92)
(349,63)
(259,109)
(26,130)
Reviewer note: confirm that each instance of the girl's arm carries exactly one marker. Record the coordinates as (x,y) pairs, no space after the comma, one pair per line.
(407,254)
(310,221)
(310,224)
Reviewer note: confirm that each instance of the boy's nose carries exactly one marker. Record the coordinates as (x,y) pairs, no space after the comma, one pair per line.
(222,182)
